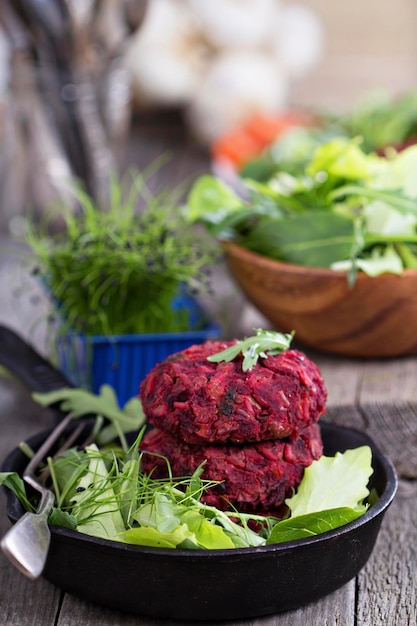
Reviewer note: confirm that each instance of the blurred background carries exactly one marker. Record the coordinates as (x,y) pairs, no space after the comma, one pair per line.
(368,45)
(90,85)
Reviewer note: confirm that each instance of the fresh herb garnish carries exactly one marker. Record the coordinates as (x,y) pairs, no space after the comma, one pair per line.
(116,267)
(265,343)
(102,492)
(80,402)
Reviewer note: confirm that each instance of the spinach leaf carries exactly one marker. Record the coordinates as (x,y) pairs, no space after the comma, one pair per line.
(318,238)
(312,524)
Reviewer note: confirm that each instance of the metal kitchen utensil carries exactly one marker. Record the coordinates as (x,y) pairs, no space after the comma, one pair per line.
(26,544)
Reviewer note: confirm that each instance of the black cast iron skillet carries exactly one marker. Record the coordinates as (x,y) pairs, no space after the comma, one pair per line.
(201,585)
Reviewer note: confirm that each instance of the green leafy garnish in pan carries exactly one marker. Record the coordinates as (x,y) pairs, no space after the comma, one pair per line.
(101,490)
(103,493)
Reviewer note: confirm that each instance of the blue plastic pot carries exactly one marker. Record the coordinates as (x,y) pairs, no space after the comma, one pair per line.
(122,361)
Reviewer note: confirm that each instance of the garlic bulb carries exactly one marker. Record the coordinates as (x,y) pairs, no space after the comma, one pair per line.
(222,60)
(234,23)
(238,84)
(299,39)
(165,57)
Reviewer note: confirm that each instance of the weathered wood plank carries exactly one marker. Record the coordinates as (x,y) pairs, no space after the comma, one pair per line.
(389,381)
(334,610)
(394,428)
(387,586)
(342,378)
(22,602)
(379,397)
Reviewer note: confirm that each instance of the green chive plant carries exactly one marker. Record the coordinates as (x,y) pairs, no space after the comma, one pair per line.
(119,268)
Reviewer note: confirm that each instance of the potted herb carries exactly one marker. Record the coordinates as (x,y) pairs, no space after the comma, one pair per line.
(122,280)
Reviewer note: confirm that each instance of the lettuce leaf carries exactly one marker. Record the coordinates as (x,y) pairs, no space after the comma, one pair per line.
(342,158)
(334,482)
(380,261)
(95,503)
(212,199)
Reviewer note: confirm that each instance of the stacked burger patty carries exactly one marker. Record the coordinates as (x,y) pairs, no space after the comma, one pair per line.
(256,431)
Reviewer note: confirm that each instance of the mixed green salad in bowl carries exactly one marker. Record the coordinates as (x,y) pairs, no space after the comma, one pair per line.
(329,249)
(345,209)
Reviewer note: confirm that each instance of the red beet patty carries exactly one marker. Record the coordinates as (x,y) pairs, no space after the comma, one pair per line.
(255,477)
(202,402)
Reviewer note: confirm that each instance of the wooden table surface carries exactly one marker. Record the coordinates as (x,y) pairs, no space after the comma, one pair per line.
(378,397)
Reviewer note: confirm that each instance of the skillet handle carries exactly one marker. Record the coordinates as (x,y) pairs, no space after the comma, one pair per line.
(28,365)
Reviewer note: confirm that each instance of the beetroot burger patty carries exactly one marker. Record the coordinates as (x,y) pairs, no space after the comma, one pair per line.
(255,477)
(203,402)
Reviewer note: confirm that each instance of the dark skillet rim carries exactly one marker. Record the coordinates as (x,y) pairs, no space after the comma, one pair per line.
(379,508)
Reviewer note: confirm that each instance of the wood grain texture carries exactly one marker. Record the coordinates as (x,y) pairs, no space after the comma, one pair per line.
(375,318)
(337,609)
(387,585)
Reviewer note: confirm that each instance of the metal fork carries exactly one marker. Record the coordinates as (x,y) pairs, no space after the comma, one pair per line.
(26,544)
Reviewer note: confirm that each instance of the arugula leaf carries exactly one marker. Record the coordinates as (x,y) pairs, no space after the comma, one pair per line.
(80,402)
(263,344)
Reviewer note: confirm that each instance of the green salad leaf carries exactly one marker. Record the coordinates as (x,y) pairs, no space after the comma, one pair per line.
(212,199)
(15,483)
(343,159)
(102,491)
(312,524)
(80,402)
(262,344)
(331,494)
(344,208)
(381,260)
(333,482)
(317,239)
(94,503)
(111,498)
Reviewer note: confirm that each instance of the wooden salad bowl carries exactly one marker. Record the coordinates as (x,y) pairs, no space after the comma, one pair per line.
(377,317)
